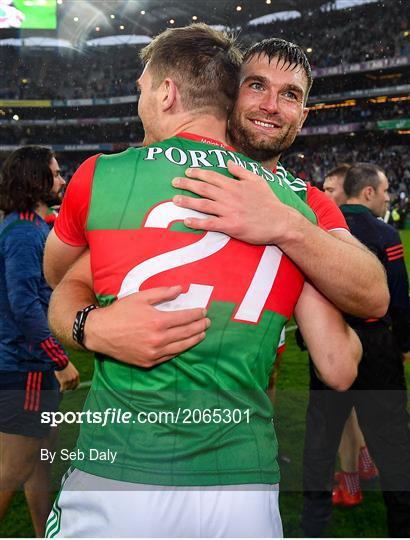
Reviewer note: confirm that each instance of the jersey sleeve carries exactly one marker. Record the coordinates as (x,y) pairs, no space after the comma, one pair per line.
(397,278)
(329,216)
(70,225)
(23,252)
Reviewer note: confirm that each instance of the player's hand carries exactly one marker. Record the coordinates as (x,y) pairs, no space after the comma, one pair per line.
(133,331)
(68,377)
(246,209)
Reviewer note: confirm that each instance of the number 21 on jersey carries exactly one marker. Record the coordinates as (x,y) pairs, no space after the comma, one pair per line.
(251,306)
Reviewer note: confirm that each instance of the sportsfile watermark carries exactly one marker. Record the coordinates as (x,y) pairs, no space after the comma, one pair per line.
(181,415)
(160,446)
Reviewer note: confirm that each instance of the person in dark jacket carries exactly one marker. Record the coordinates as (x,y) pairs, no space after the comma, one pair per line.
(34,367)
(379,393)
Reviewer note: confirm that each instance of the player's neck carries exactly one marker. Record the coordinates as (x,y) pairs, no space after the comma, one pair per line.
(205,126)
(271,163)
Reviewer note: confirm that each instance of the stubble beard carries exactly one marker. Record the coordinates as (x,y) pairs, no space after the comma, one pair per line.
(257,147)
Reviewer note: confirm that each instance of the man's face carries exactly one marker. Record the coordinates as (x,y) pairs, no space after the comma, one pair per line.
(380,197)
(147,107)
(269,111)
(56,193)
(333,187)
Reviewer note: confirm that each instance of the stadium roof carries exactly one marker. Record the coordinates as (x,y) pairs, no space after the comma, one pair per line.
(87,19)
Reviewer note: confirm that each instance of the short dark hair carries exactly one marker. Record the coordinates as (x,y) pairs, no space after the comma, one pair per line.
(285,51)
(361,175)
(25,179)
(339,170)
(204,63)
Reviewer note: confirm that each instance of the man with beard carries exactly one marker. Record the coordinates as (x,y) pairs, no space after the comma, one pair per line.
(268,114)
(32,362)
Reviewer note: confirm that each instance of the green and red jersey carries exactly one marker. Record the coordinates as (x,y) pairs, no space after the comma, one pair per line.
(328,215)
(71,225)
(121,206)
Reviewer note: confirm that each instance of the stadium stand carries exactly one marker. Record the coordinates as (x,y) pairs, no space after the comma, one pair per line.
(347,37)
(80,97)
(42,74)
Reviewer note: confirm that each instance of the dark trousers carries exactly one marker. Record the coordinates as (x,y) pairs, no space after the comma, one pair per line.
(380,398)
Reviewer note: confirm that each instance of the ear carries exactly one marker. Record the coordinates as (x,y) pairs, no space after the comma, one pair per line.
(368,193)
(303,119)
(169,94)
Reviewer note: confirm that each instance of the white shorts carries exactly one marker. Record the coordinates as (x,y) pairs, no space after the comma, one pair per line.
(89,506)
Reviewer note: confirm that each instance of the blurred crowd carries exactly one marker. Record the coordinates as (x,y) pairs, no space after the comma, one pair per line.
(313,162)
(42,74)
(362,111)
(347,36)
(130,131)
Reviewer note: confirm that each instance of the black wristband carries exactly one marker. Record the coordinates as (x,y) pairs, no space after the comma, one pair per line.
(79,324)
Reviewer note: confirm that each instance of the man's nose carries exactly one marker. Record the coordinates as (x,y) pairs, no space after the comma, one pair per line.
(270,103)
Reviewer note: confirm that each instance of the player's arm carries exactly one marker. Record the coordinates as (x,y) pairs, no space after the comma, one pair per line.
(337,264)
(58,257)
(393,259)
(23,276)
(130,330)
(334,347)
(68,240)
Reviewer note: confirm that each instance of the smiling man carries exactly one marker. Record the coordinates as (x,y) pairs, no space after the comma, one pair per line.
(269,112)
(270,109)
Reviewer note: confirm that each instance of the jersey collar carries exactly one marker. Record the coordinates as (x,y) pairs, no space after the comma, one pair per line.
(205,140)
